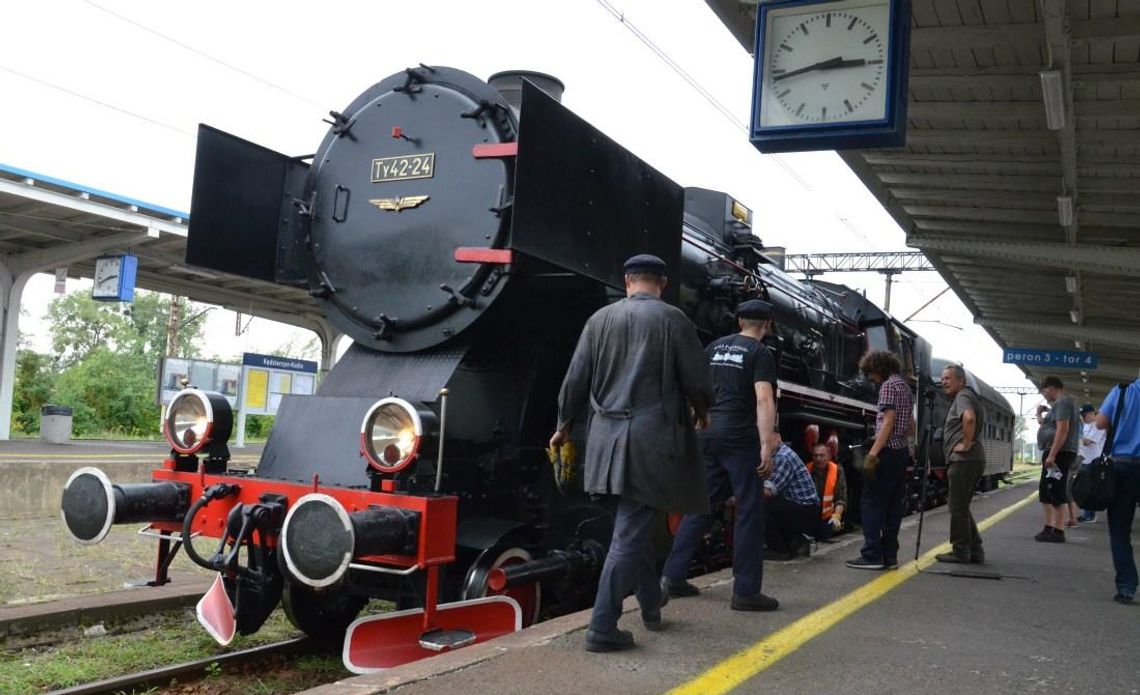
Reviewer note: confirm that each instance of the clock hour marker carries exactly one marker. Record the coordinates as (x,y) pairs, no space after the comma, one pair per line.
(871,38)
(823,112)
(828,19)
(853,20)
(848,105)
(786,47)
(867,86)
(803,28)
(800,109)
(784,93)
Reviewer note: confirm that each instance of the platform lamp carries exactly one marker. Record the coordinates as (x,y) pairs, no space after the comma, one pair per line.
(1065,210)
(1053,92)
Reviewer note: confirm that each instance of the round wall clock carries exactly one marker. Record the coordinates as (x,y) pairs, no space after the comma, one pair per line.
(830,75)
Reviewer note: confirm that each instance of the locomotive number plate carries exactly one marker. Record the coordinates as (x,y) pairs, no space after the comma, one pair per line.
(413,166)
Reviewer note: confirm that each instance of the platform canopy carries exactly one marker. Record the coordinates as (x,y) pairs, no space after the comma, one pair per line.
(1037,230)
(47,224)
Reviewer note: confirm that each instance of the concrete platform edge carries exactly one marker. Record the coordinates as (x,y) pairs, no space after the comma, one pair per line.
(91,609)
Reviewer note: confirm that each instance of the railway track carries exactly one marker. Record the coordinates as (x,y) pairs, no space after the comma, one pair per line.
(189,670)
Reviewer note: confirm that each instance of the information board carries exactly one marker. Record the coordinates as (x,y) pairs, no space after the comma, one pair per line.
(266,379)
(207,375)
(1054,359)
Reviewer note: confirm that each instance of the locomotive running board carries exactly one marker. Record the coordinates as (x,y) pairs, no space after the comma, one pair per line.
(380,642)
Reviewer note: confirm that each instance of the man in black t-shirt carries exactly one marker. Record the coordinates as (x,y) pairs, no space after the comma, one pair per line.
(737,448)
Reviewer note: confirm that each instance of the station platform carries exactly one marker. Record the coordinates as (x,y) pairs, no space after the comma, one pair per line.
(1049,625)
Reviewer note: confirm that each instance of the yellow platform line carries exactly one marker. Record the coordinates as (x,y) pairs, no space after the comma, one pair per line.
(745,664)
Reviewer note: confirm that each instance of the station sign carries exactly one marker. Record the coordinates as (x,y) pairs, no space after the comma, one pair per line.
(265,379)
(1054,359)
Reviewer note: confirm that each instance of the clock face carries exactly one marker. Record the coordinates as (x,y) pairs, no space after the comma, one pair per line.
(107,272)
(825,63)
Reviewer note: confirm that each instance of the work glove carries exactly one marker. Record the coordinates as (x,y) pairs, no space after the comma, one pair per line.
(870,466)
(564,460)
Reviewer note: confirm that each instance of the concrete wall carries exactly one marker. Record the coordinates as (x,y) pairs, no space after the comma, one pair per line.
(33,489)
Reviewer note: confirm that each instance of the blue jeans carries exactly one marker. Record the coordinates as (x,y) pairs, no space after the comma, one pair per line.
(730,469)
(883,506)
(1120,515)
(629,566)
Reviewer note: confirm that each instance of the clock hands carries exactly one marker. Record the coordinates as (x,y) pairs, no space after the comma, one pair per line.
(832,64)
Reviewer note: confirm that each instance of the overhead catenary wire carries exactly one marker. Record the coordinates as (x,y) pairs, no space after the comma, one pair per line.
(99,102)
(203,54)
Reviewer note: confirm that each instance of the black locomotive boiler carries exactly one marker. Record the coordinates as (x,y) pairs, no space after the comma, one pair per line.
(461,232)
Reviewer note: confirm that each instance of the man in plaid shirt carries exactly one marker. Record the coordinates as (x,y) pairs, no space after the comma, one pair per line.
(791,505)
(885,465)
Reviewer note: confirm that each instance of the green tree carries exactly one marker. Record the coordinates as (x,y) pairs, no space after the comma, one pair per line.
(110,392)
(109,354)
(35,380)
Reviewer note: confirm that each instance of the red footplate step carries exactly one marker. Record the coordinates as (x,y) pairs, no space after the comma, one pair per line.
(384,641)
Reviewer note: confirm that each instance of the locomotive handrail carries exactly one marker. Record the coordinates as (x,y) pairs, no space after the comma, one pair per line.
(169,535)
(385,570)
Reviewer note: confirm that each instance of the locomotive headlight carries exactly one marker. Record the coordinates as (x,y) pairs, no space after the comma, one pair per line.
(391,434)
(195,418)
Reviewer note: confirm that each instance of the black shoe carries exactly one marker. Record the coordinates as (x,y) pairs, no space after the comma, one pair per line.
(862,563)
(977,558)
(1045,536)
(1123,599)
(678,589)
(891,563)
(759,602)
(953,558)
(1058,536)
(615,641)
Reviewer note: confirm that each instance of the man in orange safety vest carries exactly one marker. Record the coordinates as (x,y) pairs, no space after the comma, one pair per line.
(831,484)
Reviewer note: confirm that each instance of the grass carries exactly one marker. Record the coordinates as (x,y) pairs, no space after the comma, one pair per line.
(150,643)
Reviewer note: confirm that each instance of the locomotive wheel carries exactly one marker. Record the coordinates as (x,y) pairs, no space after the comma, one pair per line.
(325,617)
(528,596)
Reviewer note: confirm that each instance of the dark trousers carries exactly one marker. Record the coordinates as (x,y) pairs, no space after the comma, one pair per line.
(787,522)
(883,506)
(629,566)
(964,536)
(1120,515)
(730,468)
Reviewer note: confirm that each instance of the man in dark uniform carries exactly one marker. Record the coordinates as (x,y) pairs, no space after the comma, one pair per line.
(738,449)
(639,372)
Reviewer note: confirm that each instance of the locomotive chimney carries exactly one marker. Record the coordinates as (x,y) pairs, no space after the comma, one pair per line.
(509,84)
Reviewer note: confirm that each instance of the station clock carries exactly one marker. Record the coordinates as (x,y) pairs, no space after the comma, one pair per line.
(830,75)
(115,278)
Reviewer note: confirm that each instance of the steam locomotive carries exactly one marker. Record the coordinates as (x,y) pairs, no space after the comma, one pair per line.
(461,232)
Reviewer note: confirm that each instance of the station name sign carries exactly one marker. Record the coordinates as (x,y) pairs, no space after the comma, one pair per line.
(251,359)
(1057,359)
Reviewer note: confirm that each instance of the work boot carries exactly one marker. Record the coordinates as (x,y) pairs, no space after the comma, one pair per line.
(953,558)
(759,602)
(615,641)
(978,557)
(1045,536)
(652,619)
(678,588)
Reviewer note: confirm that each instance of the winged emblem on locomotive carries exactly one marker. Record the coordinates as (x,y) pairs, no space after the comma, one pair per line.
(398,204)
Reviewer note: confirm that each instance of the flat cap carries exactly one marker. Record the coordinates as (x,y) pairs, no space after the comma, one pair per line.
(754,309)
(645,263)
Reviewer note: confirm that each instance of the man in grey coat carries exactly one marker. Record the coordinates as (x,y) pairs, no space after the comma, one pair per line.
(639,376)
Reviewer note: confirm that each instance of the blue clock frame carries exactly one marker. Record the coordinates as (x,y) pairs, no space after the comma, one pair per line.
(886,132)
(128,274)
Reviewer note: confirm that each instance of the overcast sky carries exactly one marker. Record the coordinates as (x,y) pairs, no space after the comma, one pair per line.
(108,94)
